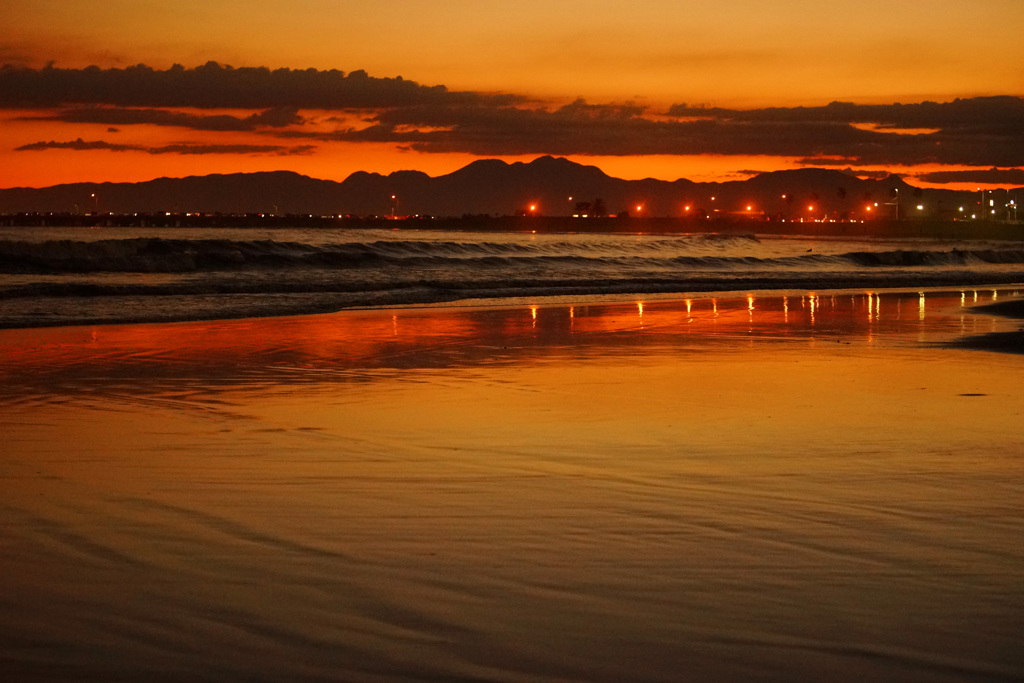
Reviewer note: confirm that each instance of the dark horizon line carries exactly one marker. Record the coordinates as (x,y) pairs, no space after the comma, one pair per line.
(548,158)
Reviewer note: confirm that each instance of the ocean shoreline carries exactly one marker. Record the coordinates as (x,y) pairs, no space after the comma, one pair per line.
(79,276)
(924,228)
(273,307)
(1011,341)
(794,487)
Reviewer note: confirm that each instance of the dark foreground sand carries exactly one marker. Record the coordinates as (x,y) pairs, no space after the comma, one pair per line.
(1008,342)
(812,487)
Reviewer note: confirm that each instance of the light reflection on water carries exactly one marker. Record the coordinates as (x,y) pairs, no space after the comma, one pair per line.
(728,489)
(61,363)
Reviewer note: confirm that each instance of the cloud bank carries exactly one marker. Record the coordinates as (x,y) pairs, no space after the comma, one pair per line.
(81,145)
(119,116)
(213,86)
(994,176)
(981,132)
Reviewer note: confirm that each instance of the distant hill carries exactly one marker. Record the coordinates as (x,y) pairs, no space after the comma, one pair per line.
(488,186)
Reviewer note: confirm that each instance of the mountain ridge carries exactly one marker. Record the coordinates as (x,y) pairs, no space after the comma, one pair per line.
(551,185)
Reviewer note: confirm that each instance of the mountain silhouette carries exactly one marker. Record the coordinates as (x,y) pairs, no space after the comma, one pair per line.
(489,186)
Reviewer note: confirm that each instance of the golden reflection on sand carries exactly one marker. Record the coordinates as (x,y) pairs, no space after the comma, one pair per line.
(380,337)
(808,486)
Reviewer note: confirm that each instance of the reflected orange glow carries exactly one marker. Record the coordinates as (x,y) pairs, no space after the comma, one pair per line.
(215,351)
(520,464)
(874,306)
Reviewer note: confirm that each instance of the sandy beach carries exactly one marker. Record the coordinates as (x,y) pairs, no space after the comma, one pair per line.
(766,487)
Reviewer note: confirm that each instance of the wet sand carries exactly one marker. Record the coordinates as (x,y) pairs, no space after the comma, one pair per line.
(1011,341)
(810,487)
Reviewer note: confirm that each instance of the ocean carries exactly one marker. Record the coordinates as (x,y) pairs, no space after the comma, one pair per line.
(509,463)
(67,276)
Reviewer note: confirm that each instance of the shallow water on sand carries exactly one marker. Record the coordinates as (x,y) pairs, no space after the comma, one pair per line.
(808,487)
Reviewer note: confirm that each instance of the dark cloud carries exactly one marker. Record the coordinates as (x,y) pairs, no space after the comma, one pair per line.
(181,148)
(78,145)
(990,115)
(277,117)
(213,86)
(581,128)
(976,131)
(979,132)
(820,162)
(993,176)
(823,136)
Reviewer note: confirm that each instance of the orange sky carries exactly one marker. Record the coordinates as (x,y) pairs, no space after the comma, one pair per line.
(735,54)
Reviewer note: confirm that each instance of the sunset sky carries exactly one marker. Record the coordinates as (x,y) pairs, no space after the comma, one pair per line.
(129,90)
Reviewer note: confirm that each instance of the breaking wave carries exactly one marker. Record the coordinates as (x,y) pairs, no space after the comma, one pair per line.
(160,278)
(157,255)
